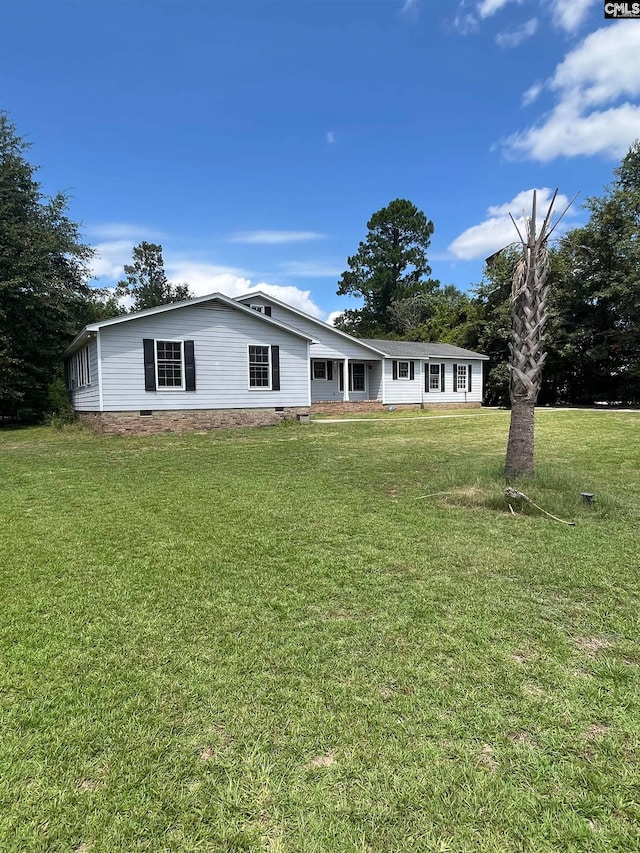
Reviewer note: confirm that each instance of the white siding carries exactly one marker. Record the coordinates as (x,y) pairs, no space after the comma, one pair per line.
(406,391)
(221,338)
(403,390)
(327,390)
(328,342)
(87,399)
(375,380)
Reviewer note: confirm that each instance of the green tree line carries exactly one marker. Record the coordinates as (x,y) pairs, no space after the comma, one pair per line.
(593,330)
(593,336)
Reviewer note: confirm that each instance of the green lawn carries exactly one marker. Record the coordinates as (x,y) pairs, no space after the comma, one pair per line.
(271,640)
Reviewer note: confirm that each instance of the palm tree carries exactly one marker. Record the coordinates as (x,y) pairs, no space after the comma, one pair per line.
(528,319)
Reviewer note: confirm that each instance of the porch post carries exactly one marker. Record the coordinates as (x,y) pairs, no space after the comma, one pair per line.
(345,383)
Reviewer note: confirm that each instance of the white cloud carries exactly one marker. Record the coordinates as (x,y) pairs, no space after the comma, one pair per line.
(211,278)
(330,137)
(123,231)
(274,238)
(568,15)
(487,8)
(311,269)
(202,278)
(110,258)
(532,94)
(497,230)
(333,316)
(601,70)
(514,37)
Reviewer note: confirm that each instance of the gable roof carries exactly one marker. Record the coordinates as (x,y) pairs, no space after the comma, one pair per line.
(422,349)
(367,344)
(84,335)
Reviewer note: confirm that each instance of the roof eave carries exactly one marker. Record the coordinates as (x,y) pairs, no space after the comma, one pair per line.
(308,317)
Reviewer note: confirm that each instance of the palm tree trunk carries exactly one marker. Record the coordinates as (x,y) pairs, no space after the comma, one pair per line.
(521,434)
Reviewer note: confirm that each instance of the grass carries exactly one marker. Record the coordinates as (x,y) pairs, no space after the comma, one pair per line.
(270,640)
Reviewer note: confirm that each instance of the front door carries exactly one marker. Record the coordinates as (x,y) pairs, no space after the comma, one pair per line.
(357,377)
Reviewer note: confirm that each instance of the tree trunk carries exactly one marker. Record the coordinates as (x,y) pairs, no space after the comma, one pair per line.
(520,447)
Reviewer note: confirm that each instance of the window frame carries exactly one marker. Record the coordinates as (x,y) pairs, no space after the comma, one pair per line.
(80,369)
(318,363)
(183,376)
(438,366)
(408,376)
(269,367)
(361,364)
(461,374)
(261,309)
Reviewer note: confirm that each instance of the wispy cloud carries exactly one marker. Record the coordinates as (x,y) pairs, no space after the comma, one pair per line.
(465,21)
(532,94)
(114,245)
(123,231)
(330,137)
(487,8)
(497,230)
(312,269)
(274,238)
(568,15)
(602,71)
(515,36)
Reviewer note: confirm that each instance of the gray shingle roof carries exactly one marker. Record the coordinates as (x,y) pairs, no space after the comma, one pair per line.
(414,349)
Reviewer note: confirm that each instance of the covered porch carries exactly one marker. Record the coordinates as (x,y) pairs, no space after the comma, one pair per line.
(364,380)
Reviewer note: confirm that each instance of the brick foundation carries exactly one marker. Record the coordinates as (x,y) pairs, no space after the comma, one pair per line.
(377,406)
(187,420)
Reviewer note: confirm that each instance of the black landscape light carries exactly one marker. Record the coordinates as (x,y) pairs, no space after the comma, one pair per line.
(587,497)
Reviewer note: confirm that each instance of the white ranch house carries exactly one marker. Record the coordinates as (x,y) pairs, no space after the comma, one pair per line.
(213,362)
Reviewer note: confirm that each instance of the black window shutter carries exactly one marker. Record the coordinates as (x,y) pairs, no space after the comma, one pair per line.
(149,364)
(442,377)
(427,371)
(329,370)
(341,376)
(189,366)
(394,367)
(267,310)
(455,377)
(470,371)
(275,368)
(412,370)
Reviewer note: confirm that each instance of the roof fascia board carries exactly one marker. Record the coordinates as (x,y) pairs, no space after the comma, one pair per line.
(84,334)
(306,316)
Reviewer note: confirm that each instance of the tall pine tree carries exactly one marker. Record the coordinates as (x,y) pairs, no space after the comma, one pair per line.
(44,292)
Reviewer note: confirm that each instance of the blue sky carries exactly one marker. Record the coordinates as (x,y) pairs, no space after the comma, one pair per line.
(254,139)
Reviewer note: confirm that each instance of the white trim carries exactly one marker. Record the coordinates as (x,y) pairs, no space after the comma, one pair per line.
(251,387)
(173,306)
(406,378)
(99,357)
(309,372)
(183,376)
(323,361)
(364,389)
(439,389)
(464,370)
(384,387)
